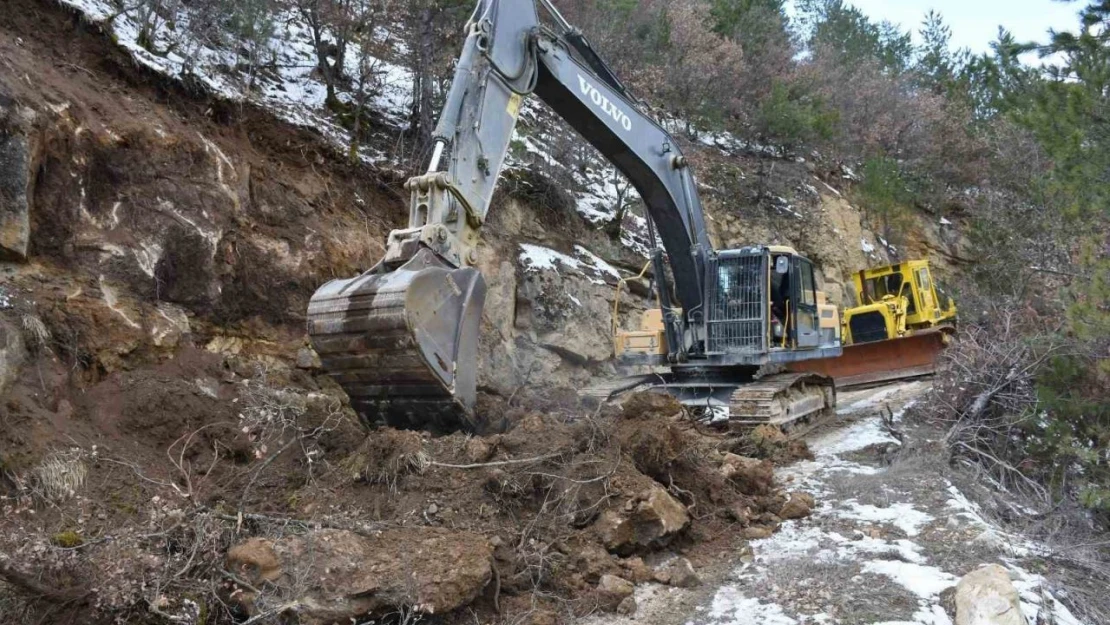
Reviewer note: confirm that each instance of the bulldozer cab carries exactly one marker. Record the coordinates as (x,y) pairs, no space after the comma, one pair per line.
(912,280)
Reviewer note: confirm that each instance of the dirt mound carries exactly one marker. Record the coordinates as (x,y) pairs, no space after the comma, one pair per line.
(649,405)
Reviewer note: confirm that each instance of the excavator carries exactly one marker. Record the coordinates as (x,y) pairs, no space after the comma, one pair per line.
(903,321)
(401,338)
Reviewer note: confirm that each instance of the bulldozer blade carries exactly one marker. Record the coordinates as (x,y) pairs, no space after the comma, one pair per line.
(403,344)
(861,364)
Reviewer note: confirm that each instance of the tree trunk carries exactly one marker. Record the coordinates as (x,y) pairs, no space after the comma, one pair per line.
(425,81)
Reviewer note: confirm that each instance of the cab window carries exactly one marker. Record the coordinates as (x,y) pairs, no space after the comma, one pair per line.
(923,280)
(809,297)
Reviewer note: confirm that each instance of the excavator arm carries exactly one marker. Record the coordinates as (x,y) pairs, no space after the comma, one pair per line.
(402,338)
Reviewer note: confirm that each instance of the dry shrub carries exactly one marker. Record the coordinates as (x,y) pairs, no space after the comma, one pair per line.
(387,456)
(986,395)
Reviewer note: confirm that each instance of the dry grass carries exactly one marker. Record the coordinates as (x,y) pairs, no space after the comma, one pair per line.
(60,476)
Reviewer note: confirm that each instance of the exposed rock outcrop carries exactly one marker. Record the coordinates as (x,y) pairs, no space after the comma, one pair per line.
(12,354)
(19,154)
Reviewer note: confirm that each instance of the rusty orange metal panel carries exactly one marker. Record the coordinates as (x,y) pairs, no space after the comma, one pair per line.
(867,363)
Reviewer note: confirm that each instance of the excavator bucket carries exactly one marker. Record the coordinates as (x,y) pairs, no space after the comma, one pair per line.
(881,361)
(403,343)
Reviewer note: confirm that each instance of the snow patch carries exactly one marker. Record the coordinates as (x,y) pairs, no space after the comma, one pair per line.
(593,268)
(846,440)
(901,515)
(927,582)
(731,607)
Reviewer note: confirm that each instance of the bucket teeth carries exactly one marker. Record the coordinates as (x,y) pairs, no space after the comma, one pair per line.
(393,341)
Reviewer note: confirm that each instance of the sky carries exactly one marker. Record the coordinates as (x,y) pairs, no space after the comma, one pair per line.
(975,23)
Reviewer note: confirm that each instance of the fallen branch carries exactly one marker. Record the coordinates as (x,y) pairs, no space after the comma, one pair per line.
(499,463)
(39,590)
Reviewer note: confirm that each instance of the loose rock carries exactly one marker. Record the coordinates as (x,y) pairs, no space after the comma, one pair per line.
(429,569)
(798,506)
(613,590)
(653,515)
(678,572)
(757,532)
(986,596)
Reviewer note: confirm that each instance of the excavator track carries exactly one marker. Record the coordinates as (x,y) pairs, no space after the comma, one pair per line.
(793,402)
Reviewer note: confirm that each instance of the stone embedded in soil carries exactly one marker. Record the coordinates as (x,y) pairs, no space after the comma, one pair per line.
(753,476)
(986,596)
(798,506)
(479,450)
(340,575)
(593,561)
(19,156)
(679,573)
(648,519)
(627,606)
(612,591)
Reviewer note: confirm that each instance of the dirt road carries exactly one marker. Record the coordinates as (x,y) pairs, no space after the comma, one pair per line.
(889,540)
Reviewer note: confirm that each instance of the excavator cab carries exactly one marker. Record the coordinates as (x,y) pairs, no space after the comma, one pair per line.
(763,307)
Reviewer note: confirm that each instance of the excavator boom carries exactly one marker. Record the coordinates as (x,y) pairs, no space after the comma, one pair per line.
(402,338)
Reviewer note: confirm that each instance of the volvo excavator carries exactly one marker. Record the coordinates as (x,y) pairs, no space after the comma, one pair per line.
(402,338)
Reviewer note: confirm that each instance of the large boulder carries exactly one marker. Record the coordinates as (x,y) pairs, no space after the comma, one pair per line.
(18,163)
(337,575)
(649,518)
(986,596)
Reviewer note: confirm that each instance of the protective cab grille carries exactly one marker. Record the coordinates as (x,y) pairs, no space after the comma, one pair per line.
(867,327)
(737,306)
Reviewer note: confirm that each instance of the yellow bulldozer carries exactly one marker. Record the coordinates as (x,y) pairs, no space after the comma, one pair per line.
(902,322)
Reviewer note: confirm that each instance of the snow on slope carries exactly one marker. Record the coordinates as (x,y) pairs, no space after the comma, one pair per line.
(288,85)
